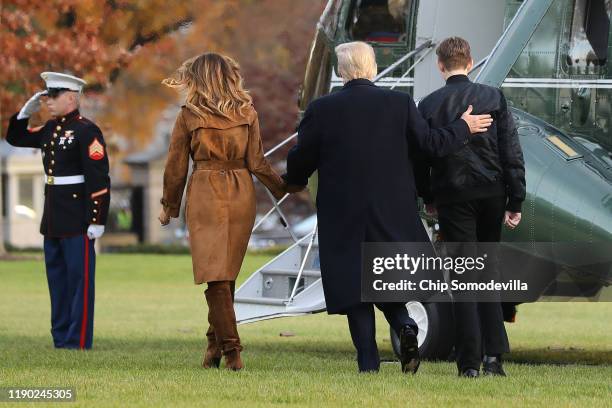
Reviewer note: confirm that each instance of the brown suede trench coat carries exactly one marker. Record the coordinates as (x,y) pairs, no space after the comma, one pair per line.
(220,209)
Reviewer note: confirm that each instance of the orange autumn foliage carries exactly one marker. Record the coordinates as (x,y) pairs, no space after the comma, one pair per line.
(124,48)
(91,39)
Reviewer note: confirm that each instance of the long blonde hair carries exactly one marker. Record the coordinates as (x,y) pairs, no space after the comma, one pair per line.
(213,84)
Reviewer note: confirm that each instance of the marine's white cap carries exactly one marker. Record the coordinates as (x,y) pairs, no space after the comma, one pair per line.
(57,80)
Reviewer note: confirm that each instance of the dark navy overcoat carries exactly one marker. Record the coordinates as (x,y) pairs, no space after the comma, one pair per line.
(361,140)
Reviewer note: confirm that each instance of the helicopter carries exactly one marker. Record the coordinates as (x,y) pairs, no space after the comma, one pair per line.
(551,58)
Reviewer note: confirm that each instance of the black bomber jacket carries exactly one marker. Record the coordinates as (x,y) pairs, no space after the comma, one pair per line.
(491,165)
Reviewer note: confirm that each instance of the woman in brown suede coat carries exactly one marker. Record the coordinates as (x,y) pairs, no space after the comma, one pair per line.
(218,128)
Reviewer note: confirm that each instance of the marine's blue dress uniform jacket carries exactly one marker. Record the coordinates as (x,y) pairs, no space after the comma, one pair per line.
(360,139)
(70,146)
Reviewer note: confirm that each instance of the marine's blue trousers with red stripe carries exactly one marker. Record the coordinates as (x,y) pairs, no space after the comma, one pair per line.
(70,266)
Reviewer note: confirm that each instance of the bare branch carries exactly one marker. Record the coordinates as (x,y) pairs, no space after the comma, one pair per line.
(142,39)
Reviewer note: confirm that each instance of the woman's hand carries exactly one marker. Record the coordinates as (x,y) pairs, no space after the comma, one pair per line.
(163,218)
(292,188)
(431,210)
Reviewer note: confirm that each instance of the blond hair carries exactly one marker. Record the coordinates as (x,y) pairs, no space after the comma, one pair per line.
(213,84)
(356,60)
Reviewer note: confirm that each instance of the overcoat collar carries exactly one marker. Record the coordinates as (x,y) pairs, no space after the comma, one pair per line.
(358,81)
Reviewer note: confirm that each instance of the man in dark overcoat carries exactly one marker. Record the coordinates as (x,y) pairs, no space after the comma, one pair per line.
(360,139)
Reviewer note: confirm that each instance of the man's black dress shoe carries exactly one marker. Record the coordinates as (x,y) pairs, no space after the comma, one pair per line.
(492,365)
(409,350)
(469,373)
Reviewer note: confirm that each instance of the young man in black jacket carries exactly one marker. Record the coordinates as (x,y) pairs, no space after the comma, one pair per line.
(474,190)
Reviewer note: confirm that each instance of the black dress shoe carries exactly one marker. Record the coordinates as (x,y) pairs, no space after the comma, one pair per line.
(409,350)
(469,373)
(492,365)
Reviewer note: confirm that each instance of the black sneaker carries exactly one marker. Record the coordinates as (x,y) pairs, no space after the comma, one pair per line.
(409,350)
(492,365)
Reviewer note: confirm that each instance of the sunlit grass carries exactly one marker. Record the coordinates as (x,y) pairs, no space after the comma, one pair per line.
(149,335)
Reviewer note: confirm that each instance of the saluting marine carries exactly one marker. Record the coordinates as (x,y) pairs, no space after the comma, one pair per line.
(77,195)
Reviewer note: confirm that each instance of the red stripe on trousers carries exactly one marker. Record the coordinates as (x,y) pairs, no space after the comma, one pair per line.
(85,295)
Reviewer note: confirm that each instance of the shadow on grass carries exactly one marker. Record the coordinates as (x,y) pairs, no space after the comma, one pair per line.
(560,356)
(170,353)
(174,353)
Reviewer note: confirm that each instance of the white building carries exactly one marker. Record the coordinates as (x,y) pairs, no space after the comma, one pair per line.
(22,195)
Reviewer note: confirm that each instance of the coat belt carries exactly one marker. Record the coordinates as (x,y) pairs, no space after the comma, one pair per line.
(219,164)
(63,180)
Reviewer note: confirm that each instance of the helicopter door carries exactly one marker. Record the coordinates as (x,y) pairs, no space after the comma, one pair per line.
(480,22)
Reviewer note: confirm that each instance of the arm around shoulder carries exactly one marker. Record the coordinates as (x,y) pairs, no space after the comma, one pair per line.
(435,142)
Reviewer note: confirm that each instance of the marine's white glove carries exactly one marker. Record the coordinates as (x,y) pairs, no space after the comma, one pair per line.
(31,106)
(95,231)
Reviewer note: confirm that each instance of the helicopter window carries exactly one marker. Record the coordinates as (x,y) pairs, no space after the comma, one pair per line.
(588,48)
(380,20)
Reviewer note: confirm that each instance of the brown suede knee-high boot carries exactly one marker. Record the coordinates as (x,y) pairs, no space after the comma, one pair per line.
(221,309)
(212,355)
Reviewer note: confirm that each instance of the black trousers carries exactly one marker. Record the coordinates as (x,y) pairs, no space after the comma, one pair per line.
(479,325)
(362,325)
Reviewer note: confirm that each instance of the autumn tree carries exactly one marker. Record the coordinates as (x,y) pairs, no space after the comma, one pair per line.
(269,38)
(90,38)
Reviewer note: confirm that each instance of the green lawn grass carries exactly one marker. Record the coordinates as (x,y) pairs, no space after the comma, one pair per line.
(149,336)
